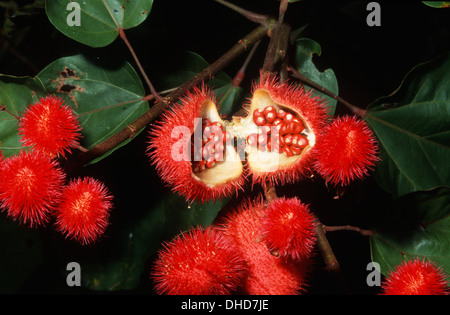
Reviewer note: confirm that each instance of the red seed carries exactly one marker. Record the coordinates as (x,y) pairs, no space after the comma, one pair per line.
(281,141)
(210,162)
(281,114)
(262,139)
(294,139)
(295,127)
(217,124)
(287,150)
(218,137)
(271,116)
(219,148)
(288,118)
(276,122)
(205,152)
(288,139)
(266,128)
(269,109)
(302,142)
(216,128)
(226,136)
(252,139)
(207,132)
(259,120)
(218,157)
(276,147)
(296,149)
(283,129)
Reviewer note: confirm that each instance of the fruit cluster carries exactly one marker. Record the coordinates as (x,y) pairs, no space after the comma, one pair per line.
(287,135)
(208,148)
(33,186)
(242,253)
(280,131)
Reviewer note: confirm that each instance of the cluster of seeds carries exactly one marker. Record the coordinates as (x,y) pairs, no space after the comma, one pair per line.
(210,148)
(286,136)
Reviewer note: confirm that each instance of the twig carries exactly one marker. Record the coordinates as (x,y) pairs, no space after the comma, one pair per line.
(252,16)
(4,109)
(241,72)
(138,63)
(325,249)
(356,110)
(347,228)
(269,192)
(205,75)
(271,52)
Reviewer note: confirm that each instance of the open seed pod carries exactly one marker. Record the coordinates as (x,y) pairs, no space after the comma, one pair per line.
(192,151)
(195,153)
(282,127)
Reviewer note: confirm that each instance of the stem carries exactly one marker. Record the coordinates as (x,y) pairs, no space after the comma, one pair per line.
(138,63)
(241,72)
(206,74)
(356,110)
(347,228)
(269,61)
(252,16)
(4,109)
(269,192)
(328,256)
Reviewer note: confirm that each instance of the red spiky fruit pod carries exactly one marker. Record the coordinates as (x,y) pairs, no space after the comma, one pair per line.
(84,210)
(192,151)
(416,277)
(30,187)
(267,274)
(346,151)
(50,126)
(199,262)
(289,228)
(286,120)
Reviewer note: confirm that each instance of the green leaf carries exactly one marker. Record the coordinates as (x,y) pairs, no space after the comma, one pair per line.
(106,98)
(16,93)
(305,51)
(185,67)
(437,4)
(414,226)
(413,128)
(190,64)
(229,98)
(99,21)
(132,245)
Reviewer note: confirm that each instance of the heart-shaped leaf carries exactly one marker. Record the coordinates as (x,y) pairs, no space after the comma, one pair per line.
(105,98)
(96,23)
(16,93)
(305,51)
(416,225)
(413,129)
